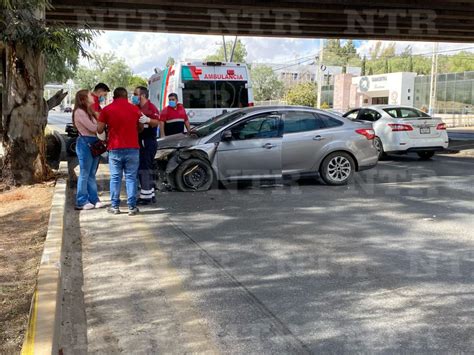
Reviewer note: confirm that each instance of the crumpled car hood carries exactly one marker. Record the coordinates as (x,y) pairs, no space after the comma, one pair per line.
(177,141)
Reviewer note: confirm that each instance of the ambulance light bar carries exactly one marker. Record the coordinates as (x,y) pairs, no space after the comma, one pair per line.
(214,64)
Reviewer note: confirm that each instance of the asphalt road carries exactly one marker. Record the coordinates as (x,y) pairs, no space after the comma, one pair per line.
(385,264)
(58,120)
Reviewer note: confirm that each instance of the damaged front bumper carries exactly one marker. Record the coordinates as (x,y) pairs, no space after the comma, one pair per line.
(167,161)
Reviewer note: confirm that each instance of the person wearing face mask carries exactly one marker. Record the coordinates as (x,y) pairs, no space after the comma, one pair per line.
(173,118)
(99,94)
(147,139)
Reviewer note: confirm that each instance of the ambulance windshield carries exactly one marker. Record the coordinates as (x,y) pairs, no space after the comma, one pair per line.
(215,94)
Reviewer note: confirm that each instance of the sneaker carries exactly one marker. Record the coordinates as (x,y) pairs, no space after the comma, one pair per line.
(99,205)
(153,199)
(143,202)
(133,211)
(113,210)
(87,206)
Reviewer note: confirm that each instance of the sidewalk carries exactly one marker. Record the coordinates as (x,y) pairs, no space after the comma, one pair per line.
(460,153)
(134,298)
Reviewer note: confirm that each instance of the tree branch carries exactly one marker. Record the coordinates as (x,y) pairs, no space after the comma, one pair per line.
(56,99)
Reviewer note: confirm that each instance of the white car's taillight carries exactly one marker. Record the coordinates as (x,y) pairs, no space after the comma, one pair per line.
(398,127)
(441,127)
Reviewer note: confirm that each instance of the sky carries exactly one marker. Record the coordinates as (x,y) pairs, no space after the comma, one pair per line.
(144,51)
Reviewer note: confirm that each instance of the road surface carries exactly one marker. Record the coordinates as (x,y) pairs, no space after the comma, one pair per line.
(385,264)
(58,120)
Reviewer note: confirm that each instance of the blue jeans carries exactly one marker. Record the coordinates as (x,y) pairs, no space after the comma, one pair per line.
(124,161)
(86,182)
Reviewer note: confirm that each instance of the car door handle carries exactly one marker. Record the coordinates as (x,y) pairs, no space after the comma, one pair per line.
(318,138)
(268,146)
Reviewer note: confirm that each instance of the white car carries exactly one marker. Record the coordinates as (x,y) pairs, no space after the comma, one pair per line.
(401,130)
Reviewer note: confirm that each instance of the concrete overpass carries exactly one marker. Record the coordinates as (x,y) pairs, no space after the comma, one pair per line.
(434,20)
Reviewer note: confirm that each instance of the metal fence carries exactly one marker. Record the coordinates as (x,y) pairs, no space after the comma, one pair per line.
(457,120)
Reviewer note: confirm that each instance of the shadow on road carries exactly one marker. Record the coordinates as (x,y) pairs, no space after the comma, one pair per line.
(384,264)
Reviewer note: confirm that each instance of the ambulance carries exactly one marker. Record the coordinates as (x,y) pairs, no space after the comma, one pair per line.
(206,89)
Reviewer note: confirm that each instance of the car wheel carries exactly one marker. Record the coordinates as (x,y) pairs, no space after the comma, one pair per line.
(71,147)
(337,168)
(379,146)
(425,155)
(194,175)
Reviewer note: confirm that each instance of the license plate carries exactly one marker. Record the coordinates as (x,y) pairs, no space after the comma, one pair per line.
(425,130)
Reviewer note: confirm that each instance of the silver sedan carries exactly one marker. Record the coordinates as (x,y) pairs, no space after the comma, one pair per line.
(266,143)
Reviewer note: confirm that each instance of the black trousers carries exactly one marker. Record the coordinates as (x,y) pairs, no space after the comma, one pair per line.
(148,148)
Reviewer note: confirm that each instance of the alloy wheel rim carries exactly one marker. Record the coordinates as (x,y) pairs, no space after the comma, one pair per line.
(378,145)
(339,168)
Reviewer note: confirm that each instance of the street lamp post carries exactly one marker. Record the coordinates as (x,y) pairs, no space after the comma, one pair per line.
(320,71)
(434,79)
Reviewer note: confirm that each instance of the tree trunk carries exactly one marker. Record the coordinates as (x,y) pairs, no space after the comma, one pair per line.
(24,116)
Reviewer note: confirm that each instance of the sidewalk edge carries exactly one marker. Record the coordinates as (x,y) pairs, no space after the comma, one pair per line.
(42,335)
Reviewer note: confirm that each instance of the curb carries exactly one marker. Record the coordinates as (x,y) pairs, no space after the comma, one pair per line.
(459,153)
(42,335)
(466,153)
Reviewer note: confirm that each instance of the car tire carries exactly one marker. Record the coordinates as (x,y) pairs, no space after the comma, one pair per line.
(379,146)
(194,175)
(337,168)
(71,147)
(425,155)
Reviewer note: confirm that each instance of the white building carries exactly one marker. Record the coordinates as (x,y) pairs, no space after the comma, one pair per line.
(292,74)
(50,89)
(355,91)
(392,88)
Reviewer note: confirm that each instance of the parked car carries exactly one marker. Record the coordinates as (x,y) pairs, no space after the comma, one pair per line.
(266,143)
(68,110)
(333,111)
(71,132)
(401,130)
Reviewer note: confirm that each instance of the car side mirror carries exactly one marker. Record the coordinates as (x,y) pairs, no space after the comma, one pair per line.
(226,136)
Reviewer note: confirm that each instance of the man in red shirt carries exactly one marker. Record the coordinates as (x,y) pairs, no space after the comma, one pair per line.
(99,94)
(148,145)
(173,118)
(122,121)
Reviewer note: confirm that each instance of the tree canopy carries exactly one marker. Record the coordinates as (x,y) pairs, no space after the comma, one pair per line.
(136,80)
(61,46)
(302,94)
(105,68)
(170,62)
(265,83)
(240,52)
(340,55)
(30,52)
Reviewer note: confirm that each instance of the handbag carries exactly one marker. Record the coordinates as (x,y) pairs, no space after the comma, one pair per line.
(97,148)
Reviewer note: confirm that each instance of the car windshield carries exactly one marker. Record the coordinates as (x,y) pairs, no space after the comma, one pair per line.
(216,123)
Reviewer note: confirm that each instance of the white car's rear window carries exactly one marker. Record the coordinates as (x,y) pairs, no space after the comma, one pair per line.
(406,113)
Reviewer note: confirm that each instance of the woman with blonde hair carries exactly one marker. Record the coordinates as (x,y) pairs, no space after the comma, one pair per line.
(84,120)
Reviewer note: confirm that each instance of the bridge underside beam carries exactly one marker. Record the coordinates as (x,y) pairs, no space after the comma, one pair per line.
(435,20)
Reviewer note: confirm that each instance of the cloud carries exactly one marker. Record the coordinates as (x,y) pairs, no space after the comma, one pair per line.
(144,51)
